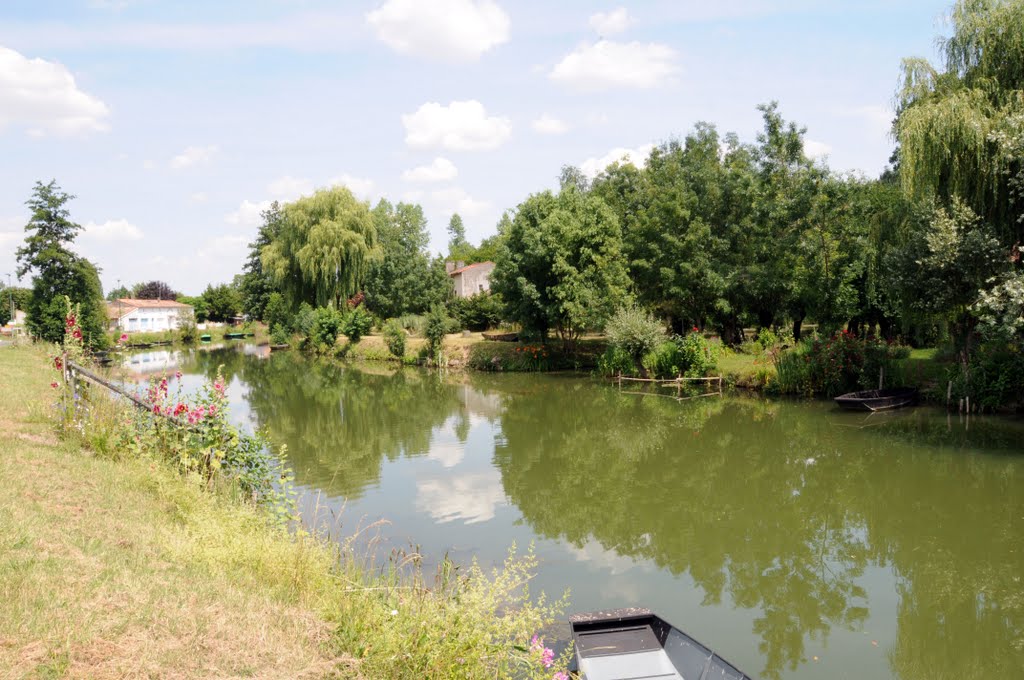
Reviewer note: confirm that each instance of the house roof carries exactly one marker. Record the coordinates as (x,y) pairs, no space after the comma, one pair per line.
(116,311)
(470,266)
(150,304)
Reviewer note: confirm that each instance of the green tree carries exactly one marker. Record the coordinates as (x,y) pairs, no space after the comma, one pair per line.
(120,292)
(954,121)
(459,249)
(277,313)
(560,266)
(222,302)
(402,280)
(256,284)
(57,271)
(198,304)
(323,249)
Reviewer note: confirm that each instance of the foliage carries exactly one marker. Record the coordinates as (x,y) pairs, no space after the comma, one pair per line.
(120,292)
(153,290)
(560,266)
(843,363)
(276,313)
(188,332)
(198,305)
(691,356)
(304,320)
(434,330)
(394,336)
(633,332)
(256,286)
(279,334)
(994,379)
(58,272)
(222,302)
(478,312)
(323,248)
(1000,310)
(326,326)
(357,322)
(404,279)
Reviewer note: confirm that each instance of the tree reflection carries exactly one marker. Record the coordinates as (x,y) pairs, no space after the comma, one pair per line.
(340,423)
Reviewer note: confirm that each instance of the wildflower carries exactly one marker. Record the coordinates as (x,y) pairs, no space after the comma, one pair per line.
(696,330)
(213,409)
(180,408)
(560,675)
(394,612)
(58,363)
(123,338)
(163,384)
(156,409)
(70,320)
(547,657)
(177,374)
(77,334)
(219,387)
(53,385)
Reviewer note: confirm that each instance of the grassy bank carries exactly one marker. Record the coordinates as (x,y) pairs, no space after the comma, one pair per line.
(119,567)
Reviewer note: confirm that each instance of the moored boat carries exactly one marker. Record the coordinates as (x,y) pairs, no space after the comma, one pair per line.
(636,643)
(234,336)
(275,348)
(878,400)
(205,337)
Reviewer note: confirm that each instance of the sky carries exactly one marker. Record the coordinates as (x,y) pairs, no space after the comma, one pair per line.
(175,123)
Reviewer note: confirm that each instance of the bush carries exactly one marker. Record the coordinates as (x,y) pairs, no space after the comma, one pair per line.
(304,320)
(415,324)
(356,324)
(276,312)
(635,332)
(698,357)
(279,335)
(479,312)
(434,330)
(843,363)
(506,356)
(994,378)
(188,332)
(394,336)
(666,361)
(325,328)
(616,361)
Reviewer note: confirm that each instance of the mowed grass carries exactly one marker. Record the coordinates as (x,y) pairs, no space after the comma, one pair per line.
(114,569)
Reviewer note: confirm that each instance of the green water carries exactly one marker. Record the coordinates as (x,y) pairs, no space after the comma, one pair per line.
(798,541)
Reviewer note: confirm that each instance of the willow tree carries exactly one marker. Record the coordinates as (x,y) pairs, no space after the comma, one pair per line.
(951,122)
(323,249)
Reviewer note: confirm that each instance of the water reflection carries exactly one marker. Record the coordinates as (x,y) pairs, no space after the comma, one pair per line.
(798,526)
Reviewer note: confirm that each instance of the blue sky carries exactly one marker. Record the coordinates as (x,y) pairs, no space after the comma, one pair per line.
(174,123)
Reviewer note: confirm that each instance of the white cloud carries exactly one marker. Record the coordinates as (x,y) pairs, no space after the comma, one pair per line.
(199,197)
(453,30)
(440,170)
(224,247)
(611,23)
(878,118)
(815,149)
(607,64)
(549,125)
(148,165)
(456,200)
(43,96)
(472,497)
(248,214)
(112,230)
(289,188)
(592,167)
(12,230)
(360,186)
(460,126)
(193,155)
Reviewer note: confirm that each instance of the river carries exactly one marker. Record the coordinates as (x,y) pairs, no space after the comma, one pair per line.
(796,540)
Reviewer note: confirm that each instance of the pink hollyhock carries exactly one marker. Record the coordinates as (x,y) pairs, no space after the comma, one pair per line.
(560,675)
(53,385)
(177,374)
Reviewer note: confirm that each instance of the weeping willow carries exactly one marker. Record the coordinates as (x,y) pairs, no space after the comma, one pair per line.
(324,248)
(950,122)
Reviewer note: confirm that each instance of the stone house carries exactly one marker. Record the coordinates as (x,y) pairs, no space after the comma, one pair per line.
(470,280)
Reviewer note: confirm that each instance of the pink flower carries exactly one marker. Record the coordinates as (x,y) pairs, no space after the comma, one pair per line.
(560,675)
(179,409)
(177,374)
(213,409)
(124,337)
(547,657)
(53,385)
(156,409)
(219,386)
(535,645)
(77,334)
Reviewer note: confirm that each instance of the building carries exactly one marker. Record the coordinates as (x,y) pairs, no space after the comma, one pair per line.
(470,280)
(130,315)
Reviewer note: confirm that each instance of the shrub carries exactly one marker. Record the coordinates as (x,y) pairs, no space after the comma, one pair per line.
(505,356)
(325,328)
(276,312)
(434,330)
(356,324)
(665,361)
(994,378)
(767,339)
(616,361)
(635,332)
(479,312)
(279,335)
(304,320)
(394,336)
(188,332)
(843,363)
(414,323)
(698,357)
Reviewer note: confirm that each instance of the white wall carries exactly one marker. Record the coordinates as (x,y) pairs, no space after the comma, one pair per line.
(150,319)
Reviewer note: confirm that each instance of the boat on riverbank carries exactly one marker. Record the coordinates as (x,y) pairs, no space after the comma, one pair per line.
(205,337)
(637,643)
(878,400)
(234,336)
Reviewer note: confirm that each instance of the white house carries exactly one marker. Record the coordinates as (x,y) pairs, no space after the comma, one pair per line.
(130,315)
(472,279)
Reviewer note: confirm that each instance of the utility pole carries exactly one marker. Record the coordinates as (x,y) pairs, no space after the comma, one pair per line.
(10,294)
(119,306)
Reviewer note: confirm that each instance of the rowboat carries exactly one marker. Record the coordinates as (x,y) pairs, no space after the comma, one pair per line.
(234,336)
(636,643)
(205,337)
(878,400)
(501,336)
(275,348)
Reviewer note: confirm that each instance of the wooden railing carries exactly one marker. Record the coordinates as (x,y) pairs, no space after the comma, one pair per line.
(672,382)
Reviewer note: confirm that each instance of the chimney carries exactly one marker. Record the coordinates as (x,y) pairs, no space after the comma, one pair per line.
(459,264)
(449,266)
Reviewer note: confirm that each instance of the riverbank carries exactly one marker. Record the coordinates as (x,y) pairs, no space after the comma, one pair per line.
(118,566)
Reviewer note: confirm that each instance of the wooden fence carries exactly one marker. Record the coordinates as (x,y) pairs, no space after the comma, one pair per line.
(672,382)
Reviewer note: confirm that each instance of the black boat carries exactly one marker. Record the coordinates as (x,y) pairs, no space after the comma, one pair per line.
(636,643)
(878,400)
